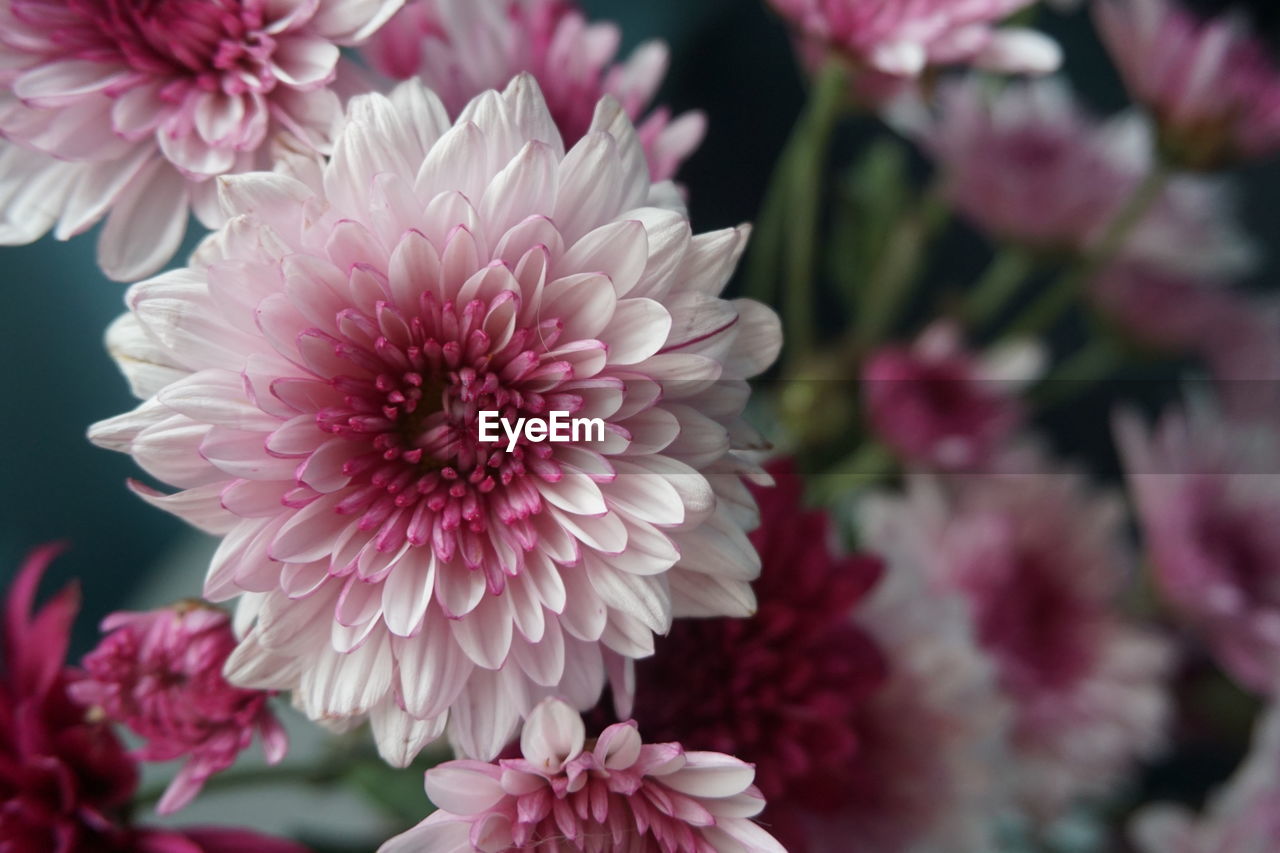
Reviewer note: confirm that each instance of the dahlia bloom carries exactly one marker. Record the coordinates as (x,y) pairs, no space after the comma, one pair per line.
(869,726)
(460,48)
(65,780)
(620,794)
(783,689)
(130,111)
(1207,488)
(160,674)
(1039,564)
(314,388)
(904,37)
(938,405)
(1211,84)
(1242,817)
(1030,165)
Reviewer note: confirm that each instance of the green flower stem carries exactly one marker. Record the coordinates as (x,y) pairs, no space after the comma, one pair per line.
(309,775)
(1003,278)
(808,168)
(892,282)
(1055,301)
(765,255)
(1094,362)
(871,463)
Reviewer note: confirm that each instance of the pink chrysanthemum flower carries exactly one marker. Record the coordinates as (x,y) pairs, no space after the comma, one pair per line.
(1207,488)
(314,386)
(460,48)
(1030,165)
(614,793)
(1039,563)
(1242,817)
(785,688)
(160,674)
(902,38)
(934,736)
(129,110)
(1213,87)
(938,405)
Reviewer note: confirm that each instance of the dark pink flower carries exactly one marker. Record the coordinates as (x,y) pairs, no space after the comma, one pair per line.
(938,405)
(785,688)
(160,674)
(63,777)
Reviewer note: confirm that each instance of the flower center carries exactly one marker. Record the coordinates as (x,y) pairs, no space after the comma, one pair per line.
(213,44)
(411,401)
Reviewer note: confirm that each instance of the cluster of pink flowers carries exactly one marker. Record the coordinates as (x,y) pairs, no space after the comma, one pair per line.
(66,782)
(662,633)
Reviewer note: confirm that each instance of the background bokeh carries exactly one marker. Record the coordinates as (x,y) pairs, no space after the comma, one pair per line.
(731,58)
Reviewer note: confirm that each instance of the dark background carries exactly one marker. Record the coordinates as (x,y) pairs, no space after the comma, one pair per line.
(731,58)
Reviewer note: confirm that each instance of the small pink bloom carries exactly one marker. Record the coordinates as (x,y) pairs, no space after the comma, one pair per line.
(612,793)
(938,405)
(1235,334)
(1242,817)
(1207,488)
(314,385)
(460,48)
(1212,85)
(160,674)
(904,37)
(1040,563)
(1164,310)
(130,110)
(1030,165)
